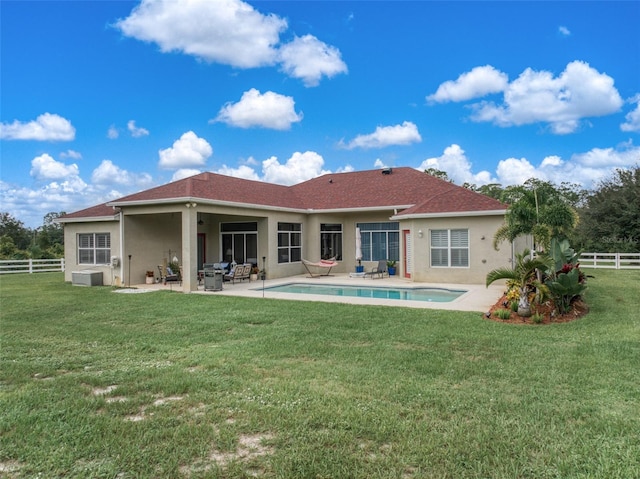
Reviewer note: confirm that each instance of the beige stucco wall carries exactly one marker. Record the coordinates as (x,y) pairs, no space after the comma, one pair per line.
(71,230)
(482,256)
(153,234)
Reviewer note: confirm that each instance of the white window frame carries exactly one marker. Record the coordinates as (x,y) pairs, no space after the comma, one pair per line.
(94,245)
(453,244)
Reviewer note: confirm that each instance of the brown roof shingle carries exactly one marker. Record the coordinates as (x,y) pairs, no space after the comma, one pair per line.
(401,187)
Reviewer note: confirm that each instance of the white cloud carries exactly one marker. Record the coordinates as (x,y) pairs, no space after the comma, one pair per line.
(268,110)
(586,169)
(184,173)
(300,167)
(188,151)
(47,127)
(536,96)
(71,154)
(513,171)
(454,162)
(44,167)
(310,59)
(135,131)
(230,32)
(404,134)
(626,156)
(564,31)
(380,164)
(243,171)
(633,117)
(112,132)
(109,174)
(480,81)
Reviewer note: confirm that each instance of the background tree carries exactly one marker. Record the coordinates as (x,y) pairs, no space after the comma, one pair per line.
(438,174)
(20,242)
(610,216)
(15,229)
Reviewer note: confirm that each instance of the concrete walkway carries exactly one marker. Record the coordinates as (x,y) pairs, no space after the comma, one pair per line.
(476,298)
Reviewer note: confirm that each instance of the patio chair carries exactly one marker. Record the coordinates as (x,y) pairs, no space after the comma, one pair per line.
(169,276)
(322,264)
(378,271)
(240,272)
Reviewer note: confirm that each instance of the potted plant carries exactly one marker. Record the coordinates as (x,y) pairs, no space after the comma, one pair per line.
(391,267)
(149,277)
(254,274)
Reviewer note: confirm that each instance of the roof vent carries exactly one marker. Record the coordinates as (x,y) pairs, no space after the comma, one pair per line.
(386,170)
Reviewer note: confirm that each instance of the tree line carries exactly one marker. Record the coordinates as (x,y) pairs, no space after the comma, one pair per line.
(20,242)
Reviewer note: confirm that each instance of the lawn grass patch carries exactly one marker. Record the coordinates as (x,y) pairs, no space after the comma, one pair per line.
(164,384)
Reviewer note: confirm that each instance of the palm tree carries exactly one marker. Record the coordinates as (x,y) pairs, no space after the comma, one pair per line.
(524,274)
(538,209)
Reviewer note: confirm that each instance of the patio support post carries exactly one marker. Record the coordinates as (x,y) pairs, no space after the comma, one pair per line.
(189,248)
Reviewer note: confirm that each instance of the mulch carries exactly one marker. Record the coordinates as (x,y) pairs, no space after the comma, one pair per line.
(578,309)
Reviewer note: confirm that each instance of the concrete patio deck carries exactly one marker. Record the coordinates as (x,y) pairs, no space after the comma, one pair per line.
(476,298)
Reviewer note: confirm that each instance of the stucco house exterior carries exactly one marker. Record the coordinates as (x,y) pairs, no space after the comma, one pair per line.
(435,230)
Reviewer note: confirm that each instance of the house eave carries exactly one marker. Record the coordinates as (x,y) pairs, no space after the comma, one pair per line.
(204,202)
(87,219)
(449,214)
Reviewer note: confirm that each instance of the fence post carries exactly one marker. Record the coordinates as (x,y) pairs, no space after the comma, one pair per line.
(62,264)
(30,266)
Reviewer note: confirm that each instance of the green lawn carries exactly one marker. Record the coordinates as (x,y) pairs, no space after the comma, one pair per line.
(168,385)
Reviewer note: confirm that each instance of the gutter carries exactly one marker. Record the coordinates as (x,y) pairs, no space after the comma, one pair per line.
(449,214)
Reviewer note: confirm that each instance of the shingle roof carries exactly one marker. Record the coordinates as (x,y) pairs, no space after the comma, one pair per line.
(215,187)
(99,211)
(400,188)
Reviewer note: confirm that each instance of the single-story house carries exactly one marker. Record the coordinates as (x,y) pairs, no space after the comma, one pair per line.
(435,230)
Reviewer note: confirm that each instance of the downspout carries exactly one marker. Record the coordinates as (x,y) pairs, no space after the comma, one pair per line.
(121,221)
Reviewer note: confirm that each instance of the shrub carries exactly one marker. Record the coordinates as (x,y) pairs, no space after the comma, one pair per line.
(537,318)
(514,305)
(565,288)
(503,313)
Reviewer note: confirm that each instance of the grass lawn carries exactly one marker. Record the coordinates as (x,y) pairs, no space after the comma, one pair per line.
(169,385)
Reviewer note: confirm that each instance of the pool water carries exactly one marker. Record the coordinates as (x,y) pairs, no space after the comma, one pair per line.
(439,295)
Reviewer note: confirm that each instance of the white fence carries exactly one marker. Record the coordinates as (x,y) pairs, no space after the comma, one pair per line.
(610,260)
(31,265)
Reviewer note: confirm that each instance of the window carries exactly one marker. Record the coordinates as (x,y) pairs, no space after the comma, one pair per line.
(94,248)
(330,241)
(450,248)
(380,241)
(289,242)
(240,242)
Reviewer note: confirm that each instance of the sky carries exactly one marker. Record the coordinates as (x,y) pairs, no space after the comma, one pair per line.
(102,99)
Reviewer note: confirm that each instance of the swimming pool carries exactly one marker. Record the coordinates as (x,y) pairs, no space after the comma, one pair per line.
(438,295)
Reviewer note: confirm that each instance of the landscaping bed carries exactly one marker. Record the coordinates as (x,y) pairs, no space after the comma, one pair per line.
(547,310)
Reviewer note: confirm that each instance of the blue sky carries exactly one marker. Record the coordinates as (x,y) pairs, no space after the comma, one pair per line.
(102,99)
